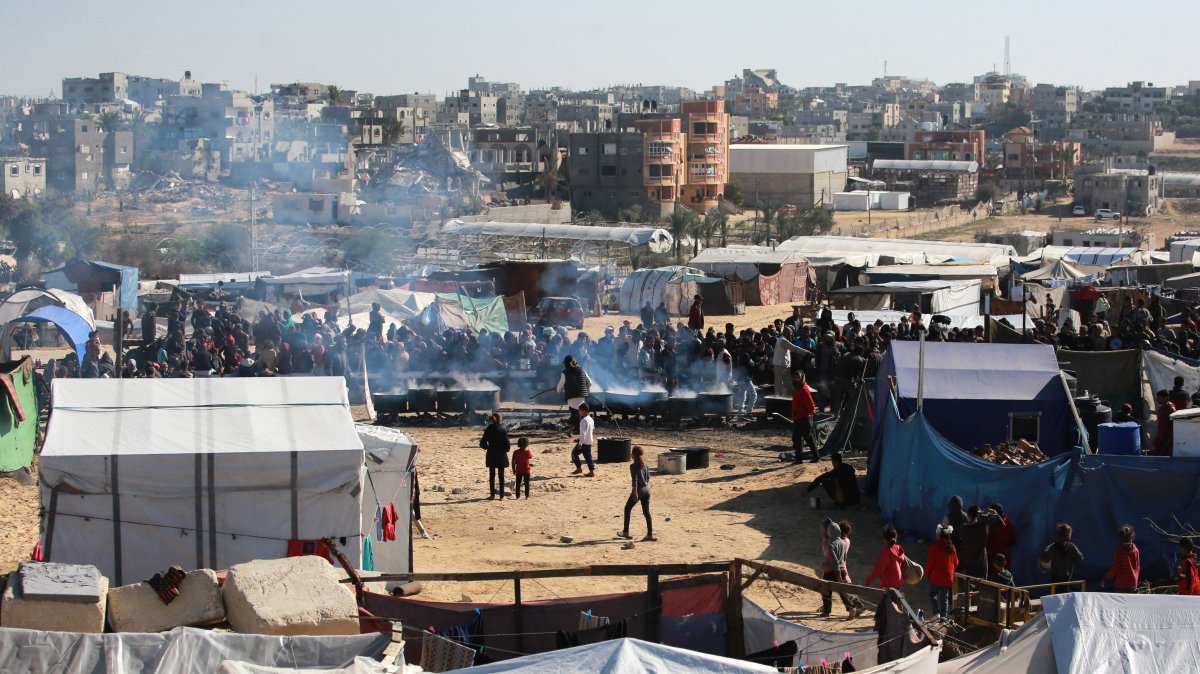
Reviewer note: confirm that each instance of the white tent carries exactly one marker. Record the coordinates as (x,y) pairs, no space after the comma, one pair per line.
(863,252)
(671,285)
(1059,270)
(396,306)
(1095,633)
(29,301)
(622,656)
(950,298)
(391,458)
(742,261)
(140,474)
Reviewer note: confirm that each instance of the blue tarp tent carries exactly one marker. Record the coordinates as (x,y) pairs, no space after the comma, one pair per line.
(73,327)
(915,471)
(93,276)
(970,390)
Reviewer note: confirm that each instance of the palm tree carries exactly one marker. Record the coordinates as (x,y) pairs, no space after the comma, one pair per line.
(683,223)
(393,129)
(111,121)
(335,96)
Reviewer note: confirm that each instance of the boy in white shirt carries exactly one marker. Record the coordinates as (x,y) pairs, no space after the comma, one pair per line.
(587,431)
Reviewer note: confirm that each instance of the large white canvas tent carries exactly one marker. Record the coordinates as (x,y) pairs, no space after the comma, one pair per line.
(391,457)
(870,252)
(1094,633)
(622,656)
(675,286)
(140,474)
(950,298)
(397,306)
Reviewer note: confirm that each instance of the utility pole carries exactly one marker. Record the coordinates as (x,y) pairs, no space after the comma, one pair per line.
(253,230)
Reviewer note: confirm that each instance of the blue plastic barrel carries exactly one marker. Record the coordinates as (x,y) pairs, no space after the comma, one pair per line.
(1124,438)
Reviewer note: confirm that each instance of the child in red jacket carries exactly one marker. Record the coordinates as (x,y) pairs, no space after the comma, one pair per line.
(889,566)
(940,564)
(1189,576)
(521,459)
(1127,562)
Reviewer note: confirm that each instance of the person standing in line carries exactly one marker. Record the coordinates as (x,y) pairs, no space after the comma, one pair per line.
(522,467)
(1189,574)
(1127,562)
(1164,435)
(781,362)
(640,475)
(835,549)
(1060,557)
(1001,537)
(889,566)
(495,444)
(583,446)
(696,314)
(803,409)
(940,564)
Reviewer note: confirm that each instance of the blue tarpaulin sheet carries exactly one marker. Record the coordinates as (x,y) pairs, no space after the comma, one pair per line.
(971,389)
(914,471)
(74,328)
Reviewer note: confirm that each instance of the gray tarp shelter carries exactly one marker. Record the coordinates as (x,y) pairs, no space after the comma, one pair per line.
(675,286)
(139,474)
(659,240)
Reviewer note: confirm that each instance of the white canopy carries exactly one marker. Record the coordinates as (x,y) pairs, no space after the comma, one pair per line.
(622,656)
(1059,270)
(863,252)
(396,306)
(950,298)
(140,474)
(1082,255)
(1094,633)
(657,238)
(670,285)
(318,276)
(742,261)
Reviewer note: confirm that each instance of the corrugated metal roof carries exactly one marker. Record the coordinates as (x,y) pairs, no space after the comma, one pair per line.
(926,165)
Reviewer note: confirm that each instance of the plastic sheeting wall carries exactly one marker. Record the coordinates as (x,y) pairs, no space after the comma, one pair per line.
(763,630)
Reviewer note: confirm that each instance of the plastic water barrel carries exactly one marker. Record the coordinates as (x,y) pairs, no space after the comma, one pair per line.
(1123,439)
(672,463)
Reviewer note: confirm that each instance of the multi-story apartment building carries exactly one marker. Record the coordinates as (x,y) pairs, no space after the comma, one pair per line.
(1128,191)
(74,150)
(1139,96)
(1104,134)
(22,176)
(82,92)
(1025,156)
(607,173)
(755,102)
(964,145)
(478,108)
(510,155)
(994,91)
(706,126)
(239,126)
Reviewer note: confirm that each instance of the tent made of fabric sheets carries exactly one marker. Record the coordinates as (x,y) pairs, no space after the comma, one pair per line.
(1058,270)
(93,276)
(870,252)
(68,311)
(768,276)
(183,649)
(950,298)
(984,273)
(914,470)
(311,281)
(391,457)
(139,474)
(622,656)
(397,306)
(763,630)
(659,240)
(972,389)
(459,312)
(1088,633)
(674,286)
(721,297)
(1083,255)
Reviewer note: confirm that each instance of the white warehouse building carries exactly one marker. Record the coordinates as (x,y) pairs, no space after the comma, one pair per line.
(802,175)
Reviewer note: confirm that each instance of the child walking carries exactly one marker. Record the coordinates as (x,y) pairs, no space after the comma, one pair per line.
(583,448)
(1127,562)
(640,475)
(521,463)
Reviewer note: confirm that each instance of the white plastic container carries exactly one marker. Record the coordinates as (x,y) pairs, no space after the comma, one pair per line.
(671,463)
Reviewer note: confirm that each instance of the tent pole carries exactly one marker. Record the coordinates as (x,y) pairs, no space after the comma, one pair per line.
(921,372)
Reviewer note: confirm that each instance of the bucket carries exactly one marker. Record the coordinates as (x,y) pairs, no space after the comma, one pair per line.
(671,463)
(814,502)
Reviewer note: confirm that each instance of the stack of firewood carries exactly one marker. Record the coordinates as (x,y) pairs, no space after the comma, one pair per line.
(1019,453)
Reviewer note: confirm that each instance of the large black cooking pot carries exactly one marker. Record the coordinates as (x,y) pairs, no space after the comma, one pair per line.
(720,404)
(613,450)
(697,457)
(652,402)
(422,400)
(683,406)
(393,402)
(621,403)
(480,400)
(451,401)
(778,405)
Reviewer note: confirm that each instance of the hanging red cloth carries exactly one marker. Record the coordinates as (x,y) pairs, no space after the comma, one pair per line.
(390,518)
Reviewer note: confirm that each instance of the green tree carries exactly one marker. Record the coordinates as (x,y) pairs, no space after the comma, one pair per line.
(733,192)
(712,223)
(988,191)
(112,121)
(683,223)
(393,129)
(335,96)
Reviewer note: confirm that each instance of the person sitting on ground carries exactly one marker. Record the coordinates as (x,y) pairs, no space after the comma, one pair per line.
(1127,563)
(840,482)
(889,566)
(1061,557)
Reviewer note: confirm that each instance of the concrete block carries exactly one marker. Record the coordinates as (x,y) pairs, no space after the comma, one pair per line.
(52,615)
(137,607)
(51,581)
(292,596)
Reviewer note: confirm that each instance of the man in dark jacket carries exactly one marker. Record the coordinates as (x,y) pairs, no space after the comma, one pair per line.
(575,385)
(696,314)
(840,483)
(973,553)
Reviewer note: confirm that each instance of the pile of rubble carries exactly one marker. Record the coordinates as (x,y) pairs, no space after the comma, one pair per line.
(1019,453)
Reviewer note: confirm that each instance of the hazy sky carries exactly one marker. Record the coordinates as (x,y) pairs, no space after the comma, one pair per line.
(395,46)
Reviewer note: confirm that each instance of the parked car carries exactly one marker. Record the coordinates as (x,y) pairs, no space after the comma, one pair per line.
(1079,210)
(787,209)
(1107,214)
(566,311)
